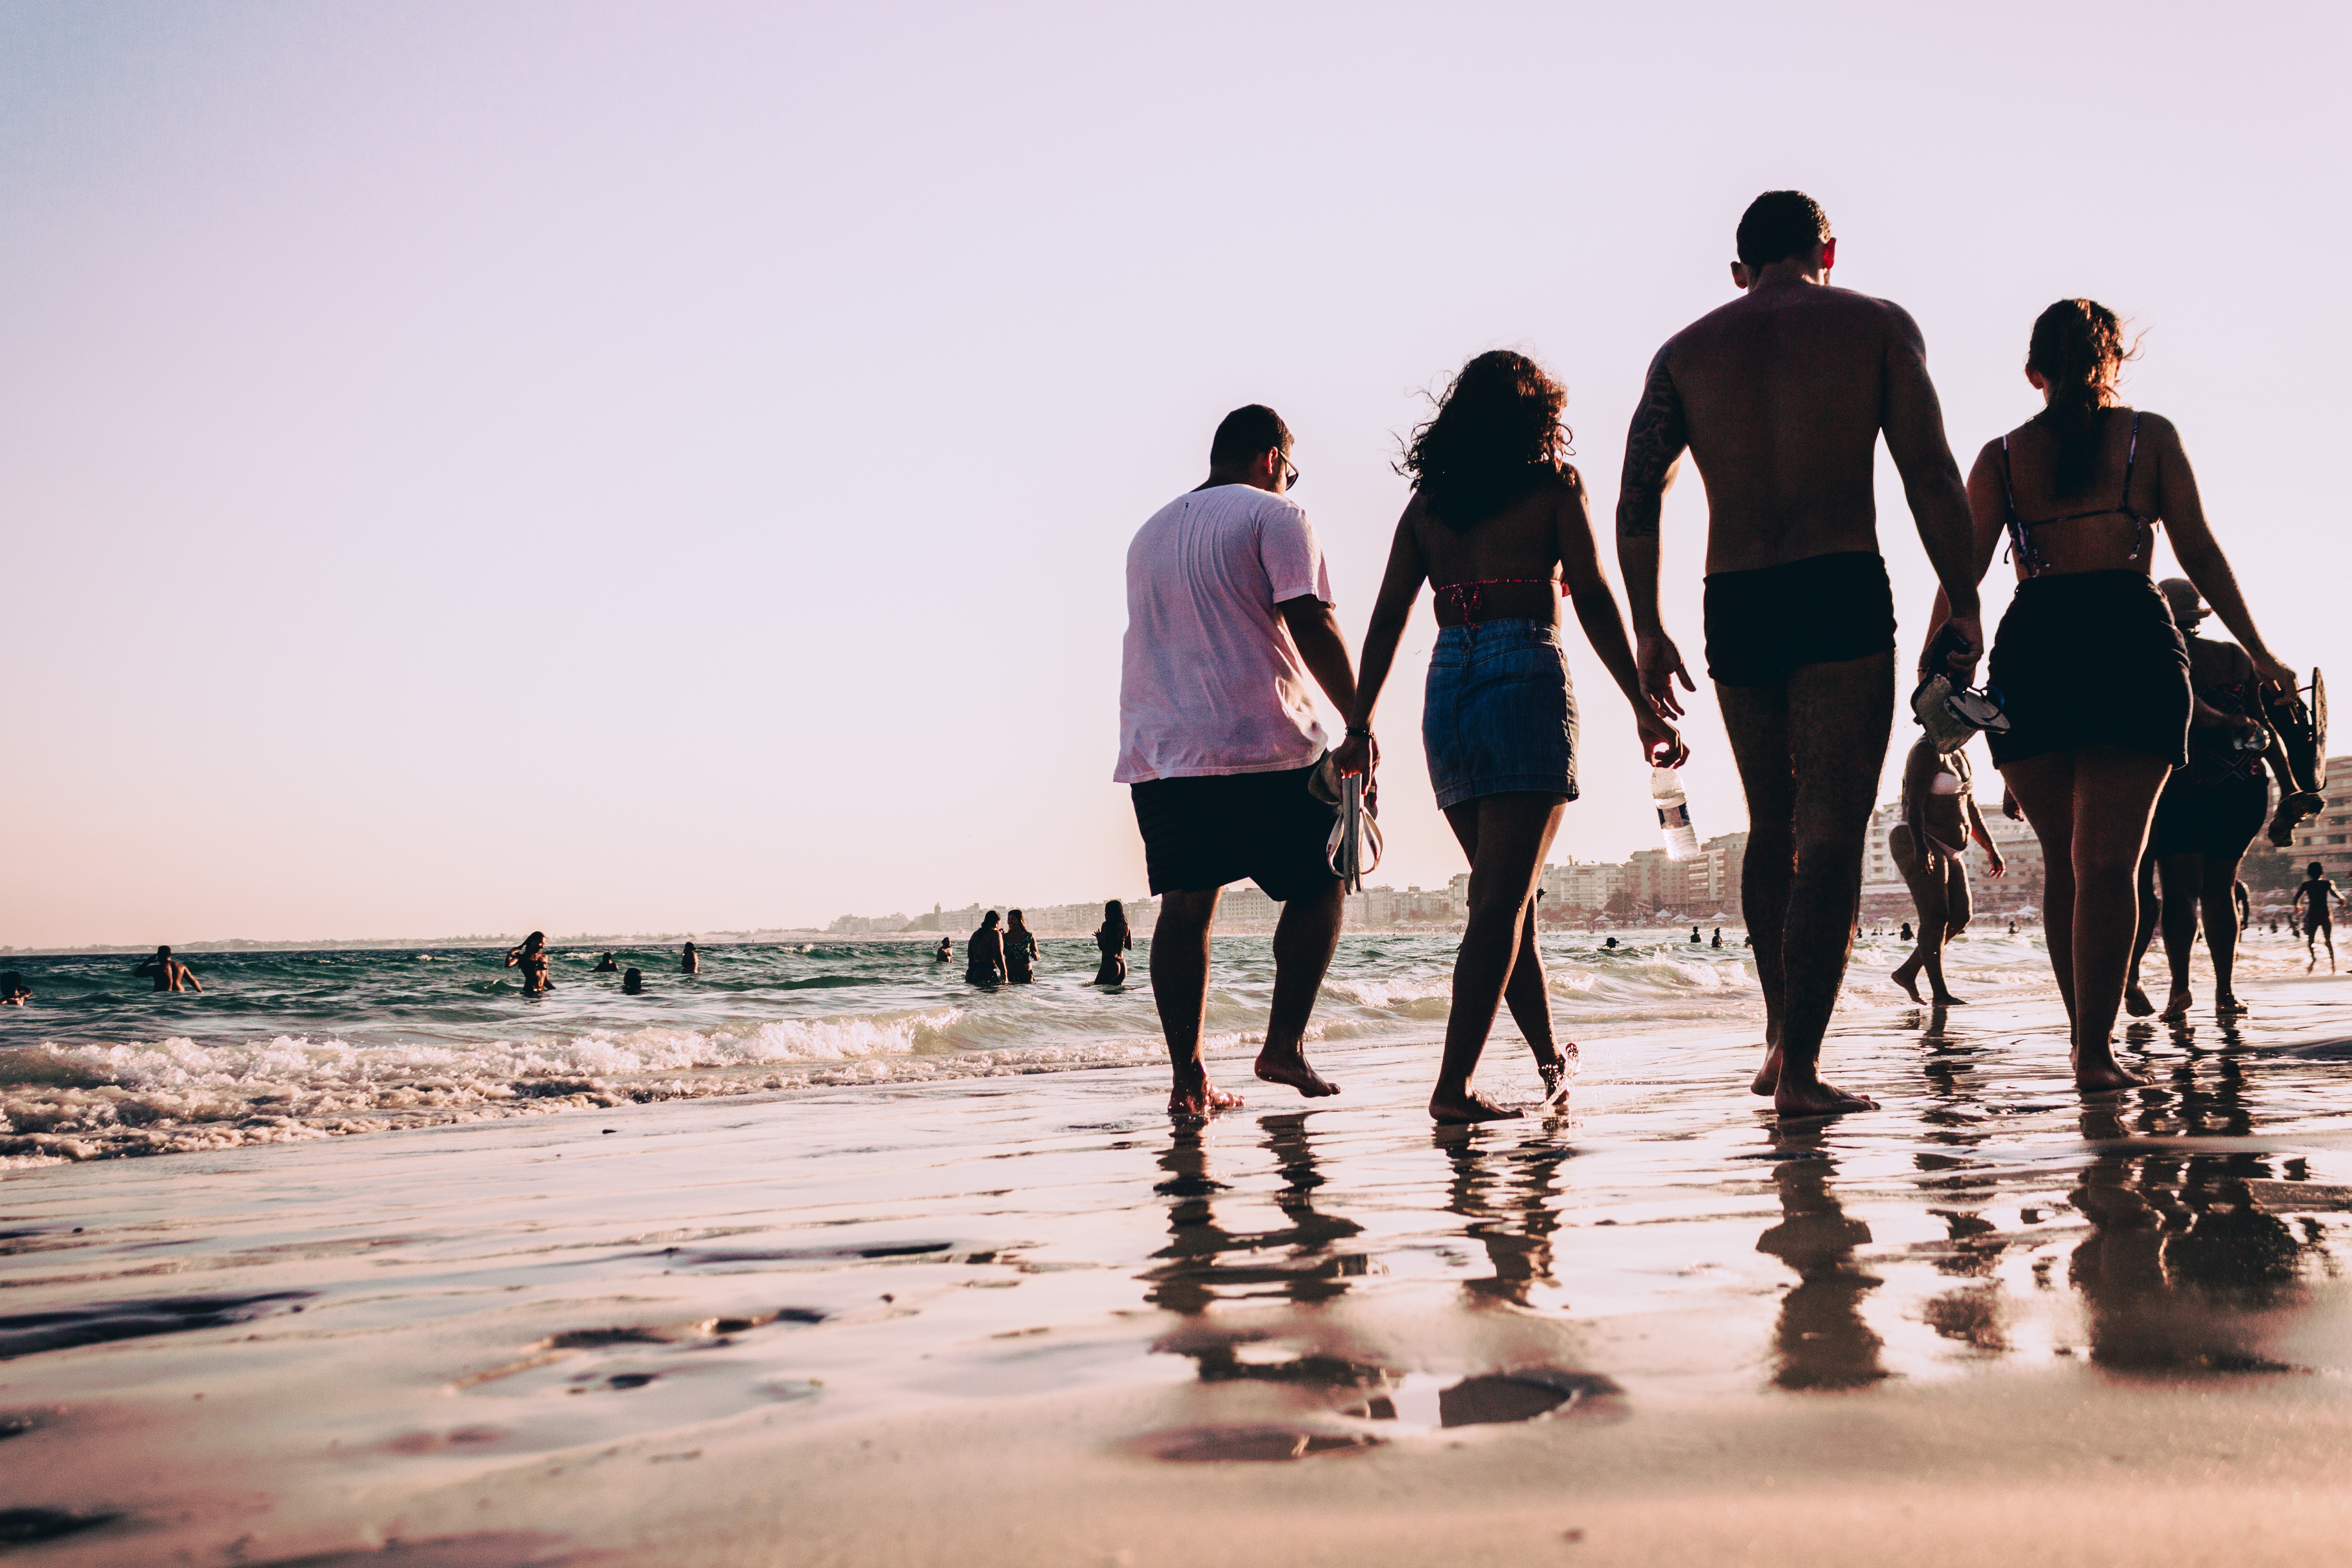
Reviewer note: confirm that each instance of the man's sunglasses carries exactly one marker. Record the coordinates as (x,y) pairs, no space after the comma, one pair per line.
(1290,471)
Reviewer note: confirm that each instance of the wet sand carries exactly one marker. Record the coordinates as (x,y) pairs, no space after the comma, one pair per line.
(1025,1321)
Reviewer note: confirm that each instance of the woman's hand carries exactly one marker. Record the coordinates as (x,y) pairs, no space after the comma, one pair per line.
(1994,864)
(2269,671)
(1661,742)
(1357,754)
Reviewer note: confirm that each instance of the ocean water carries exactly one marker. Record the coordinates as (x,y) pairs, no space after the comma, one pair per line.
(294,1046)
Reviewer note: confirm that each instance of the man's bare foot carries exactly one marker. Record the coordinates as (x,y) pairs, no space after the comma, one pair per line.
(2100,1077)
(1906,977)
(2137,1002)
(1767,1077)
(2226,1005)
(2176,1007)
(1195,1096)
(1469,1105)
(1290,1066)
(1817,1099)
(1946,999)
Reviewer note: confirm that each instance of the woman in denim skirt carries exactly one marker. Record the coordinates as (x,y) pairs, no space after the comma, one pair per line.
(1500,525)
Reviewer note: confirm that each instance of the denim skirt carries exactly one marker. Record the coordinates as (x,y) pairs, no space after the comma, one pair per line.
(1499,715)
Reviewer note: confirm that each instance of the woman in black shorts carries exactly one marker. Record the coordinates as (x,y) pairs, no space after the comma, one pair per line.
(2211,809)
(1499,524)
(2093,670)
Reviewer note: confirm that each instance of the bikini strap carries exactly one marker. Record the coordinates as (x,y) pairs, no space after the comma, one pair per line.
(2131,461)
(2018,544)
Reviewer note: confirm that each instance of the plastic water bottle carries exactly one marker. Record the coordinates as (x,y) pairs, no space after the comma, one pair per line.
(1674,814)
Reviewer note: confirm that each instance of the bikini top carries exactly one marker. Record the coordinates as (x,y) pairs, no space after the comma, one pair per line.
(2021,537)
(1469,599)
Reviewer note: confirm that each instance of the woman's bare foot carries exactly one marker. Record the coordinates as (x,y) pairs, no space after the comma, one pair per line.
(1817,1099)
(2227,1005)
(1554,1070)
(1946,999)
(1289,1066)
(2137,1002)
(1195,1096)
(1906,975)
(1467,1106)
(1767,1077)
(2176,1006)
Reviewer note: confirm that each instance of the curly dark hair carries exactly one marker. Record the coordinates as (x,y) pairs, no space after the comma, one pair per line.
(1495,436)
(2078,347)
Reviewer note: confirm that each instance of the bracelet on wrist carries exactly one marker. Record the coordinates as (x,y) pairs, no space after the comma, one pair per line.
(1358,732)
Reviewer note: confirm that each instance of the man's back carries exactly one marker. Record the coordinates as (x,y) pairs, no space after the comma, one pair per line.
(1783,392)
(1211,681)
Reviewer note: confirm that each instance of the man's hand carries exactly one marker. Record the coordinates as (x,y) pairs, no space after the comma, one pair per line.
(2269,671)
(1655,655)
(1357,754)
(1662,744)
(1994,864)
(1965,635)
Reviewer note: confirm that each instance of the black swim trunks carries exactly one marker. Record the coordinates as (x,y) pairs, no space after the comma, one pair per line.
(1765,625)
(2215,820)
(1203,833)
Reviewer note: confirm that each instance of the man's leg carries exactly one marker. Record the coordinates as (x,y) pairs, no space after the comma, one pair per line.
(1180,989)
(1756,720)
(1304,939)
(1839,716)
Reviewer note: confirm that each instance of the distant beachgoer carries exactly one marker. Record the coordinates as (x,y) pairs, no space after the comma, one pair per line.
(1020,951)
(2093,669)
(945,952)
(1228,616)
(14,992)
(1113,940)
(633,982)
(606,966)
(1719,937)
(688,961)
(2317,899)
(1611,943)
(2211,809)
(1929,845)
(169,973)
(529,956)
(1781,396)
(1501,528)
(1693,936)
(983,963)
(2244,902)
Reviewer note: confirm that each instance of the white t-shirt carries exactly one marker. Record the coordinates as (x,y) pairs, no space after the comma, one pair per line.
(1210,681)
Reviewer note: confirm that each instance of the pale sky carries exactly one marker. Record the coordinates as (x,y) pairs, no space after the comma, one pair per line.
(478,468)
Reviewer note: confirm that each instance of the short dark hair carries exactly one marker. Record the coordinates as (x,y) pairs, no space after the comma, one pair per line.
(1779,224)
(2317,870)
(163,952)
(1246,432)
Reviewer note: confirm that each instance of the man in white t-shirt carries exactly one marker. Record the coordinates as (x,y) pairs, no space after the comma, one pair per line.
(1228,613)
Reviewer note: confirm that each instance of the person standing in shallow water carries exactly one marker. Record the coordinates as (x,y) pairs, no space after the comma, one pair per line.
(1020,951)
(633,982)
(2316,900)
(169,973)
(1929,845)
(1228,616)
(1112,940)
(529,956)
(983,953)
(688,961)
(2093,669)
(1781,396)
(1500,525)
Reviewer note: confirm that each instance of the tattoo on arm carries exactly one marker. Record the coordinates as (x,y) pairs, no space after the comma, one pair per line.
(1652,448)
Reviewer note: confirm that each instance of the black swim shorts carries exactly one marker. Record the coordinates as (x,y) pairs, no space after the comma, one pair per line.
(2215,820)
(1203,833)
(1765,625)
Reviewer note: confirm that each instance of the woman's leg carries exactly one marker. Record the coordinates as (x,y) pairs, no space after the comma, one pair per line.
(2184,880)
(1530,1005)
(2136,1000)
(2044,788)
(1958,907)
(1928,895)
(1506,837)
(2221,928)
(2108,842)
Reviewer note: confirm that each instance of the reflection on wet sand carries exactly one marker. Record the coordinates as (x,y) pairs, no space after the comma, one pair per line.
(1298,1263)
(1821,1341)
(1509,1197)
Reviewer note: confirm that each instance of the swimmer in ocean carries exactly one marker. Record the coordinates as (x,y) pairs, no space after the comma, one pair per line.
(14,992)
(529,956)
(633,984)
(169,973)
(688,961)
(606,965)
(945,952)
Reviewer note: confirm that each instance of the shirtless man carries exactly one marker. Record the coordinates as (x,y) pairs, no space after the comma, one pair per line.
(169,973)
(2317,899)
(1781,396)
